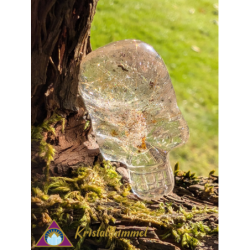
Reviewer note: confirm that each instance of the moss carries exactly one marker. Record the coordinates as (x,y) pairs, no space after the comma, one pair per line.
(110,176)
(215,230)
(124,244)
(63,125)
(185,178)
(211,173)
(46,151)
(90,192)
(176,166)
(86,126)
(189,241)
(209,188)
(93,188)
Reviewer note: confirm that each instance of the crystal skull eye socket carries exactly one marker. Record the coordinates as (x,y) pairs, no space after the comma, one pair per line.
(128,93)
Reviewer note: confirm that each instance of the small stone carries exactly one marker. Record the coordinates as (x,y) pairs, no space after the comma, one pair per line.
(124,173)
(115,164)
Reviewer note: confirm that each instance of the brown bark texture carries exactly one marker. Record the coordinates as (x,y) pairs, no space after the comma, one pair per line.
(60,38)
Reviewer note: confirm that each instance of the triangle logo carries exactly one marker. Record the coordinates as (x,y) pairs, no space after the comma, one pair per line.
(54,237)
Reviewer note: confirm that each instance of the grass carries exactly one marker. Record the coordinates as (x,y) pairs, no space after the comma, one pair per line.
(175,28)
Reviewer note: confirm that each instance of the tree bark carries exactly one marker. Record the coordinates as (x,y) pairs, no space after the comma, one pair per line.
(60,38)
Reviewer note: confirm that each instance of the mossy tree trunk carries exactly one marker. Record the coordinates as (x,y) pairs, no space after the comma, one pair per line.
(60,37)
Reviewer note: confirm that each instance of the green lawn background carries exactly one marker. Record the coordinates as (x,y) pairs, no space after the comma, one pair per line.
(185,34)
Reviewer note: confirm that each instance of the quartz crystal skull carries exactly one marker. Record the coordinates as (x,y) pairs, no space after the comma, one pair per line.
(128,93)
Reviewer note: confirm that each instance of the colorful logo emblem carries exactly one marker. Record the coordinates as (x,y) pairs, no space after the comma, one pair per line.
(54,237)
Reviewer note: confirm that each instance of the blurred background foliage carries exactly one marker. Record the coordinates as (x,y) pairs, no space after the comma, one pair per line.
(185,34)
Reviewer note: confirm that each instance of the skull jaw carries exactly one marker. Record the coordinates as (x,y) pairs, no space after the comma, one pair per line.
(148,181)
(152,182)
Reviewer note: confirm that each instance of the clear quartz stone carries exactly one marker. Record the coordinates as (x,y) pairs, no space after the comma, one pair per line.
(128,93)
